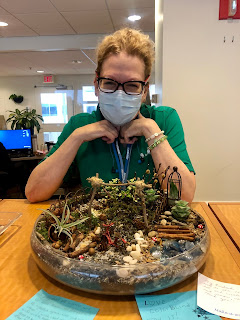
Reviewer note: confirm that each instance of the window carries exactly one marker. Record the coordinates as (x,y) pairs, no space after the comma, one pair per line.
(54,107)
(51,136)
(89,99)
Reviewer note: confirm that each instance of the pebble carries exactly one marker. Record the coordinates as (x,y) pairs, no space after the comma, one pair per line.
(65,262)
(163,222)
(137,235)
(152,234)
(135,255)
(129,248)
(140,232)
(98,230)
(138,248)
(122,273)
(139,239)
(134,261)
(91,251)
(168,213)
(133,247)
(127,259)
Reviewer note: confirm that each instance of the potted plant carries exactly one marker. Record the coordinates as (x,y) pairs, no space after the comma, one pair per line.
(25,119)
(15,98)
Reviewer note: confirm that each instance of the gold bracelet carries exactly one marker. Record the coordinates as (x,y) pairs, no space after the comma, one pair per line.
(157,142)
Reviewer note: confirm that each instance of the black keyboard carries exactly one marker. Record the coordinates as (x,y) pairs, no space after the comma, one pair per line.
(20,155)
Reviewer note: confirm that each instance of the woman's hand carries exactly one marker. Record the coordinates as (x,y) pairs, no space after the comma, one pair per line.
(101,129)
(138,127)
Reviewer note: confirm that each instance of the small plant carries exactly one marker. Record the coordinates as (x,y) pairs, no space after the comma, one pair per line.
(15,98)
(62,226)
(181,210)
(25,119)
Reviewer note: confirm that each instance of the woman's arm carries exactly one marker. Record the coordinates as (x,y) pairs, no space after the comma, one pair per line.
(48,175)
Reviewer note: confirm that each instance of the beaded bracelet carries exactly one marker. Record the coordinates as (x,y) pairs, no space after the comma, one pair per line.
(157,142)
(154,136)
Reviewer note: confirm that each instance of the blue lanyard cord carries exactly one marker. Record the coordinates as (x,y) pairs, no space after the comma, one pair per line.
(121,160)
(127,161)
(123,170)
(117,160)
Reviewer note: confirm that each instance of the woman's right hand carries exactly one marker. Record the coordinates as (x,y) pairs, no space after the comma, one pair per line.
(101,129)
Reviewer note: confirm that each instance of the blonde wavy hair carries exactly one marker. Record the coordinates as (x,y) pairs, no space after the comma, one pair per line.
(131,41)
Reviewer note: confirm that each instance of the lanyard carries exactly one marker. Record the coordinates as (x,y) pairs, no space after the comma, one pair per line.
(123,170)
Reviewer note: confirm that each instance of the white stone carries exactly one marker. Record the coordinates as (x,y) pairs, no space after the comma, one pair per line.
(136,235)
(122,272)
(98,230)
(168,213)
(66,262)
(136,255)
(133,247)
(139,239)
(163,222)
(129,248)
(127,259)
(140,232)
(134,261)
(138,248)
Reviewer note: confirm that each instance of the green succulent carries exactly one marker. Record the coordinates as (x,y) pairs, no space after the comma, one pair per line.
(181,210)
(151,195)
(61,226)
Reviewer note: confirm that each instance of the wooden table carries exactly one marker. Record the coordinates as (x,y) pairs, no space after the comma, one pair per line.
(228,214)
(21,278)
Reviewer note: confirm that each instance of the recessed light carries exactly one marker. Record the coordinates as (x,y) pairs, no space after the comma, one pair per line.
(76,61)
(134,18)
(3,24)
(40,71)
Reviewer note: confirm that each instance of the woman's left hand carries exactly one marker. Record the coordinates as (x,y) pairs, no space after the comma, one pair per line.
(138,127)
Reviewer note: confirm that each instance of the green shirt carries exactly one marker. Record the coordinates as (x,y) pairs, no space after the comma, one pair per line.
(97,156)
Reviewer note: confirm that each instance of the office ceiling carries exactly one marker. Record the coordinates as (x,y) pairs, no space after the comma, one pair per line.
(34,20)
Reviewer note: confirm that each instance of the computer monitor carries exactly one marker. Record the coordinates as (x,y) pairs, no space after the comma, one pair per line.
(17,141)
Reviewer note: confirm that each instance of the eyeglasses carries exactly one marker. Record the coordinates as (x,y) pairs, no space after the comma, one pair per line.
(129,87)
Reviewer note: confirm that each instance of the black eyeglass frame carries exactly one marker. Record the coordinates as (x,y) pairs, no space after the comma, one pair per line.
(143,83)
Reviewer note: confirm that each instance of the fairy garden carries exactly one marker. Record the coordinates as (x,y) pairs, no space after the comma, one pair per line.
(123,224)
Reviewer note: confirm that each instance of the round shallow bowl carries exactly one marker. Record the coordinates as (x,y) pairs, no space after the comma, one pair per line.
(121,279)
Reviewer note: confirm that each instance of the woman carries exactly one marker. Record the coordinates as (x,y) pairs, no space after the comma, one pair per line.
(123,137)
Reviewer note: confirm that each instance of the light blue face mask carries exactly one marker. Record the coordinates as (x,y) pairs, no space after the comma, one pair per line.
(118,107)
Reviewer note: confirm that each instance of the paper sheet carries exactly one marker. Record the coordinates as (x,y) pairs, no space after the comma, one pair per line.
(44,306)
(176,306)
(218,297)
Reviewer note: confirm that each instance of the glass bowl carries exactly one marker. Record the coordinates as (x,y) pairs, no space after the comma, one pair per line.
(140,278)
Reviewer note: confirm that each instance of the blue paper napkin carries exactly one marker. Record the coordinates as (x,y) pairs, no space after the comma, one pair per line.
(175,306)
(44,306)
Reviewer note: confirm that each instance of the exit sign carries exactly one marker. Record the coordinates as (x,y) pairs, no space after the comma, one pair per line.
(48,79)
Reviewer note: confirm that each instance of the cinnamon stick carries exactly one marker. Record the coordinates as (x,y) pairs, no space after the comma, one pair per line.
(174,231)
(172,227)
(188,237)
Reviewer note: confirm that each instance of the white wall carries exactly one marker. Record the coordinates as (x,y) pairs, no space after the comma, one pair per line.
(25,86)
(201,79)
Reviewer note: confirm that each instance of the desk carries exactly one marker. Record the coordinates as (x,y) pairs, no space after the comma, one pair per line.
(35,158)
(21,278)
(228,214)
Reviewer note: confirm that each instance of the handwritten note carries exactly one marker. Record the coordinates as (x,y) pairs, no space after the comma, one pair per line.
(218,297)
(44,306)
(176,306)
